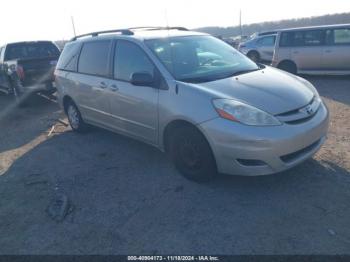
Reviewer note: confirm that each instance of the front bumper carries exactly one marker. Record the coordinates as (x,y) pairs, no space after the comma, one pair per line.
(251,151)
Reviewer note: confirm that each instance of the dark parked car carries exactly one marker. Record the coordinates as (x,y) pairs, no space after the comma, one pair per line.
(28,67)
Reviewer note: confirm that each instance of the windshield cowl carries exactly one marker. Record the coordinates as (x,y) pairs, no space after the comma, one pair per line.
(205,79)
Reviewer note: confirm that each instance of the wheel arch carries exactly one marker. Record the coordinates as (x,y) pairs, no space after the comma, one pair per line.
(65,100)
(287,61)
(172,125)
(254,51)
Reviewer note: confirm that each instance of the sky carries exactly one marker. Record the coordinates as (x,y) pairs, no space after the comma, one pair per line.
(25,20)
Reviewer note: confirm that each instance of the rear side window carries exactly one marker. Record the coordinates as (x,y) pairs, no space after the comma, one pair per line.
(312,38)
(302,38)
(267,41)
(69,57)
(94,58)
(129,59)
(31,50)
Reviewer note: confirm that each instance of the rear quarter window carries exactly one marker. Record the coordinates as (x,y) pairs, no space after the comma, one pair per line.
(69,57)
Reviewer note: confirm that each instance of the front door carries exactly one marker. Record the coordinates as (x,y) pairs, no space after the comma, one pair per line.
(134,108)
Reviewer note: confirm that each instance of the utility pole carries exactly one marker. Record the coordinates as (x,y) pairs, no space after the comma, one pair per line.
(240,21)
(72,19)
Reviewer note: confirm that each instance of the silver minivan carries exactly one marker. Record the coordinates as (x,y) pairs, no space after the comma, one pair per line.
(314,50)
(193,96)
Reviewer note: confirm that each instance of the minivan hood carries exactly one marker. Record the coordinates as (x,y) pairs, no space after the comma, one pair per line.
(269,89)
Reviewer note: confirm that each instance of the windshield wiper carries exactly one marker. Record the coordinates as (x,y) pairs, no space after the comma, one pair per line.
(204,79)
(241,72)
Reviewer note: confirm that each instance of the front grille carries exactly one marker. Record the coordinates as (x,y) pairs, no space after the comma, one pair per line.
(299,121)
(301,115)
(297,154)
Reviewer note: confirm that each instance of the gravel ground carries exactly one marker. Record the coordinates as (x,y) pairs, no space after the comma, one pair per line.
(124,197)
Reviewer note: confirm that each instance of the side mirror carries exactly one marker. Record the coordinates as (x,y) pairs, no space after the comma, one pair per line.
(142,79)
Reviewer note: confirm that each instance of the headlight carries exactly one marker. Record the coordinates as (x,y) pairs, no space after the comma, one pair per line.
(243,113)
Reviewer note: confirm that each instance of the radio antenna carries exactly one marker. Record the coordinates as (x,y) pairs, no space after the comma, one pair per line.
(240,22)
(166,18)
(72,19)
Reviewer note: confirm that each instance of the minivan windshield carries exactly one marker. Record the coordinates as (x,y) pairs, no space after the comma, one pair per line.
(199,59)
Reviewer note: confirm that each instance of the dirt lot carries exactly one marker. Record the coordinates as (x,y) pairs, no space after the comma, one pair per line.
(126,198)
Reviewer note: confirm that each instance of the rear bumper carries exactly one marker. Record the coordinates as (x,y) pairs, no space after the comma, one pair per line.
(252,151)
(48,86)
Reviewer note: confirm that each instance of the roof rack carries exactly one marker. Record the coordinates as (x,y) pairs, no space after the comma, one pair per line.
(150,28)
(122,31)
(128,31)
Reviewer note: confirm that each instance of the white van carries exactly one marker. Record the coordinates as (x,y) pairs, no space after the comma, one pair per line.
(314,50)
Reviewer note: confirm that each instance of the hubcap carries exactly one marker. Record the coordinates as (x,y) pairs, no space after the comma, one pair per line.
(189,155)
(73,117)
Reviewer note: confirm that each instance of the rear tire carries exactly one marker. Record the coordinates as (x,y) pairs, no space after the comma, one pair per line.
(74,117)
(288,66)
(192,154)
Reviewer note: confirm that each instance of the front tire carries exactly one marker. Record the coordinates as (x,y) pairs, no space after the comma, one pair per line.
(192,154)
(289,67)
(74,117)
(254,56)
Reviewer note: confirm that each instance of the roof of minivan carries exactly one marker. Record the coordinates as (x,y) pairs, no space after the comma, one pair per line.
(315,27)
(145,34)
(151,34)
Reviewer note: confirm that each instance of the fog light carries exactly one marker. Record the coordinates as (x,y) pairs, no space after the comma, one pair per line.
(251,162)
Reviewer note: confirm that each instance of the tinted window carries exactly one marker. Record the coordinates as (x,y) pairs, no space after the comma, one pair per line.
(94,58)
(267,41)
(31,50)
(69,57)
(129,59)
(312,38)
(302,38)
(286,39)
